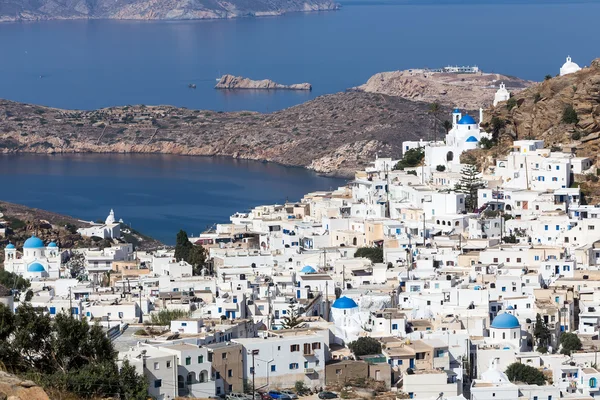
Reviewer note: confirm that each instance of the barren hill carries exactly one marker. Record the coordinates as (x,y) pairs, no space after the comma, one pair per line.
(31,10)
(539,112)
(333,134)
(468,91)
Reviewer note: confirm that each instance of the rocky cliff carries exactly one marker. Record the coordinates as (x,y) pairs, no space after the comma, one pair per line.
(14,388)
(564,111)
(333,134)
(238,82)
(31,10)
(468,91)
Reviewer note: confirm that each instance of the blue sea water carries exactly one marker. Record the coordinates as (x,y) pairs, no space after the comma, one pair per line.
(155,194)
(91,64)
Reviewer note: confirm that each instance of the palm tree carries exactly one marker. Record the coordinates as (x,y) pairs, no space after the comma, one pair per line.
(434,109)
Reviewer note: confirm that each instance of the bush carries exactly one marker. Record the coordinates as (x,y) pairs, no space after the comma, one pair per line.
(569,342)
(547,77)
(517,372)
(364,346)
(164,317)
(375,254)
(141,332)
(410,158)
(511,103)
(570,115)
(413,172)
(576,135)
(487,143)
(537,97)
(440,168)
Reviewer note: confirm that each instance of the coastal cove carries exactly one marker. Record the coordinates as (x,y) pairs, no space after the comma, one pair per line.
(65,64)
(155,194)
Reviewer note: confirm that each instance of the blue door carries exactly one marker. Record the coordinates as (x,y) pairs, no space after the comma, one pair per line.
(297,294)
(412,363)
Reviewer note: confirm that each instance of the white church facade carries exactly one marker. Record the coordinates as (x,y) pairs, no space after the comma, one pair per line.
(111,229)
(35,261)
(464,135)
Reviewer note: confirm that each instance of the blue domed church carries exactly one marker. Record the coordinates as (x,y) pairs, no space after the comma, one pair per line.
(35,261)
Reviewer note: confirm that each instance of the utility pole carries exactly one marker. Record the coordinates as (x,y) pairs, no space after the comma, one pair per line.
(141,312)
(253,374)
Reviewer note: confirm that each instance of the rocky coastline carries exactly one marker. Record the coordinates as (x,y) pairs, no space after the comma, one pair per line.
(20,10)
(238,82)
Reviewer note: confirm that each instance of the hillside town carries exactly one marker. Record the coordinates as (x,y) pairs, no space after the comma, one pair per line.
(425,277)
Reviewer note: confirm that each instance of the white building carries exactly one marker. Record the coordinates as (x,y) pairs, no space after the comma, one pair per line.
(501,94)
(569,67)
(111,229)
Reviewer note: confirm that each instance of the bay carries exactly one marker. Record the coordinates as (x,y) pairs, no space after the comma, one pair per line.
(155,194)
(101,63)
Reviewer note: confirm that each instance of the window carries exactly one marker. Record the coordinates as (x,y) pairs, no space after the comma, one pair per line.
(590,227)
(273,368)
(156,365)
(527,305)
(305,364)
(251,370)
(338,371)
(158,383)
(188,360)
(518,260)
(545,227)
(536,258)
(394,326)
(554,179)
(495,259)
(294,366)
(558,167)
(168,364)
(224,355)
(316,346)
(295,347)
(557,227)
(200,359)
(230,373)
(217,375)
(593,382)
(504,288)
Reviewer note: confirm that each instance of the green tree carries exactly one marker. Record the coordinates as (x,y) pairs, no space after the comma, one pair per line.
(133,385)
(291,318)
(570,115)
(164,317)
(511,103)
(410,158)
(569,342)
(375,254)
(440,168)
(497,125)
(517,372)
(13,281)
(183,246)
(364,346)
(541,333)
(469,184)
(300,387)
(197,258)
(547,77)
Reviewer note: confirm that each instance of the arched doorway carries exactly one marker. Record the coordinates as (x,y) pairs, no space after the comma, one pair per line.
(449,156)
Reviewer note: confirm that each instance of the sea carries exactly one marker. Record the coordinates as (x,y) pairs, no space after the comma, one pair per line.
(155,194)
(102,63)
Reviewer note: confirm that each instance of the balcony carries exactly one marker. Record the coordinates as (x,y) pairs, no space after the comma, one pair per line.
(309,371)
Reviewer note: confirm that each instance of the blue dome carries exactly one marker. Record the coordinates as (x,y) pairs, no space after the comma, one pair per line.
(10,246)
(52,244)
(505,321)
(456,111)
(344,302)
(36,267)
(33,243)
(471,139)
(467,120)
(510,308)
(308,270)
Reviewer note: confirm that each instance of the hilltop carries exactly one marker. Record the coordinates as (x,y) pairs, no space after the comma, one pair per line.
(26,10)
(464,90)
(564,111)
(333,134)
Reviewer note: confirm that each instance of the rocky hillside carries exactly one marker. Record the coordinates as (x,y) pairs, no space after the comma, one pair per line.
(468,91)
(31,10)
(564,111)
(333,134)
(14,388)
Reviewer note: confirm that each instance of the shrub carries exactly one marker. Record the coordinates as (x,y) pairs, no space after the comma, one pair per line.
(487,143)
(413,172)
(440,168)
(537,97)
(364,346)
(547,77)
(511,103)
(569,342)
(517,372)
(375,254)
(576,135)
(570,115)
(410,158)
